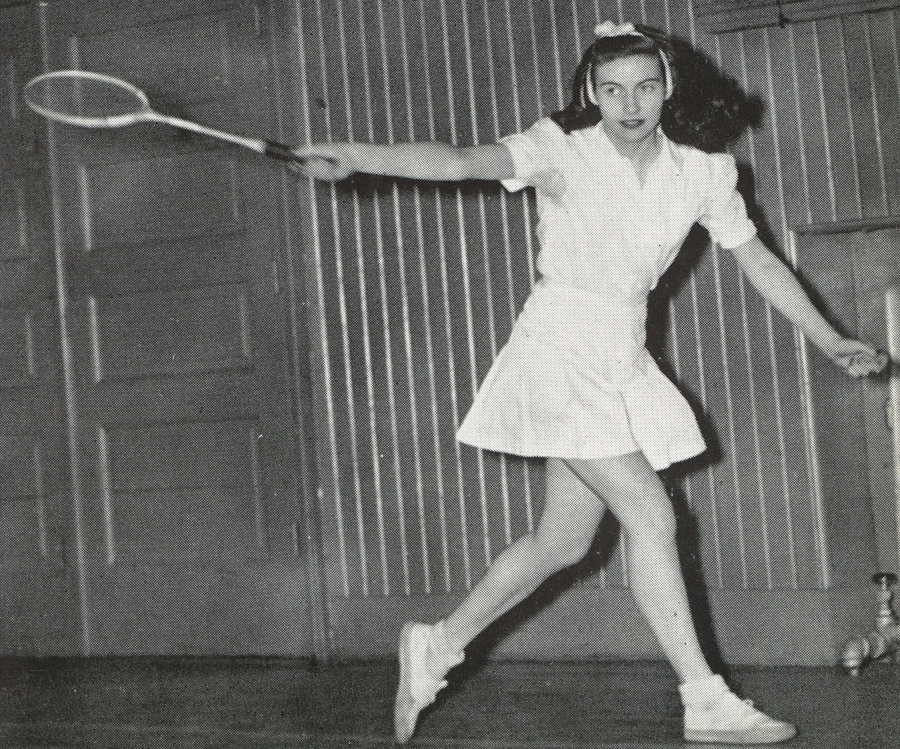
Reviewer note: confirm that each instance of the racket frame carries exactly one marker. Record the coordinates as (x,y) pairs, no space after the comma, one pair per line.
(146,113)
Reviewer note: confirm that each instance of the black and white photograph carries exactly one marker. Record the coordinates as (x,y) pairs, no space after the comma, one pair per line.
(463,374)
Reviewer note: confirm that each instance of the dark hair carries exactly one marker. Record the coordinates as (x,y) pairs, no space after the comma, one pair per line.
(707,109)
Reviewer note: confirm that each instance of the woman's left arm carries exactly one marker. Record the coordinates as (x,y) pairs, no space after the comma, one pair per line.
(778,284)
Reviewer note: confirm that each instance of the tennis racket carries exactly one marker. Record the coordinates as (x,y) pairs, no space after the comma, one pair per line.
(94,100)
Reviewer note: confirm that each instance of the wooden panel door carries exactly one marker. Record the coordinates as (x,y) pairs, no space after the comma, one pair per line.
(173,249)
(876,266)
(36,557)
(852,267)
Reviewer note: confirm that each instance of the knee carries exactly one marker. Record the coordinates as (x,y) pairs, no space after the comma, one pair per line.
(556,552)
(656,522)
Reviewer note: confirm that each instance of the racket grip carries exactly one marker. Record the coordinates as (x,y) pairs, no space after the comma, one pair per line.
(280,151)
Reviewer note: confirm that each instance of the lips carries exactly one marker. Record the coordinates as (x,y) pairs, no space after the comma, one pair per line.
(632,124)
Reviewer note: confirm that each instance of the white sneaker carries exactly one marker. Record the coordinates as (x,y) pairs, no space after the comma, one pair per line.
(418,685)
(724,718)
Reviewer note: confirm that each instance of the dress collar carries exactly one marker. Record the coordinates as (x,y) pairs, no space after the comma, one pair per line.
(673,154)
(669,155)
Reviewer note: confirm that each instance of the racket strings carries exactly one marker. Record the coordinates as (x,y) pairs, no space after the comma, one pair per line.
(96,100)
(84,100)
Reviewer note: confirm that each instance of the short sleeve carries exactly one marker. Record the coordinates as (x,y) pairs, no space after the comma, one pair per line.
(532,153)
(725,216)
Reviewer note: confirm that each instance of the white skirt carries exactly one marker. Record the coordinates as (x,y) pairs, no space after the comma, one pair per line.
(575,380)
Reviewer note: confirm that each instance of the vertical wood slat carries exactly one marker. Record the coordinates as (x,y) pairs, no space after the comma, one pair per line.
(526,237)
(357,89)
(863,112)
(377,455)
(812,123)
(885,72)
(471,251)
(480,219)
(404,295)
(782,530)
(68,362)
(456,113)
(324,342)
(429,353)
(507,251)
(842,143)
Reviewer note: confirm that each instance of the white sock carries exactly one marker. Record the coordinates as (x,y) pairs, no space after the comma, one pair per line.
(441,657)
(704,691)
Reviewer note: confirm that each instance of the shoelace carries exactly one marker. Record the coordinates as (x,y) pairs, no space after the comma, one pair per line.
(748,711)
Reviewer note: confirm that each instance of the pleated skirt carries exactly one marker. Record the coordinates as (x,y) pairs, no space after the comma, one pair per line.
(575,380)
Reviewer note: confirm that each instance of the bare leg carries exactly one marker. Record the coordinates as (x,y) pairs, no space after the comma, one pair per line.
(630,487)
(637,497)
(572,512)
(571,515)
(634,493)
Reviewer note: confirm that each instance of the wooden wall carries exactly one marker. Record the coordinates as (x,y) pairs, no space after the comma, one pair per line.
(149,471)
(38,587)
(400,294)
(418,286)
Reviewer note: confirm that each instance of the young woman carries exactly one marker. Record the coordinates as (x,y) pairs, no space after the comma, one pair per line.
(575,384)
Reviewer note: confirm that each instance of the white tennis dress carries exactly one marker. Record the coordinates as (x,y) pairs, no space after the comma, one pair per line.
(575,379)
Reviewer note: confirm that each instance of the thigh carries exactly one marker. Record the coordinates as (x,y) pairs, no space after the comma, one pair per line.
(630,488)
(570,505)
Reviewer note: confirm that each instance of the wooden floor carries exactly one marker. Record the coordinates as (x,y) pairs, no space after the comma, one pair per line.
(261,704)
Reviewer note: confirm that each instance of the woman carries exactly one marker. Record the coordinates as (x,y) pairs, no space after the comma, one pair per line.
(575,383)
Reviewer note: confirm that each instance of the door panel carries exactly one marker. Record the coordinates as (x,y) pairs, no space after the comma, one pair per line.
(178,326)
(876,266)
(36,608)
(857,443)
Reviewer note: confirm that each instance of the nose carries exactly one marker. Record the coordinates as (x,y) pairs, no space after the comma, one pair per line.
(631,103)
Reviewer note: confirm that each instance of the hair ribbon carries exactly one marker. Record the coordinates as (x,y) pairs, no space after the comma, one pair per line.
(610,29)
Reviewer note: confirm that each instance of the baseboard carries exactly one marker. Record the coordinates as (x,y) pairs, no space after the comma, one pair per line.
(751,627)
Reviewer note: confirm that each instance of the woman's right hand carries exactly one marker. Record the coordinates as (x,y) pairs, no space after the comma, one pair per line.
(330,162)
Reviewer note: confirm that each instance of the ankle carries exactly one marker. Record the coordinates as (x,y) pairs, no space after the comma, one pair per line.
(450,636)
(696,674)
(442,655)
(703,691)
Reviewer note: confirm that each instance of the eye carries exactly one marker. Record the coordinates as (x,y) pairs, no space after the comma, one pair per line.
(651,86)
(609,90)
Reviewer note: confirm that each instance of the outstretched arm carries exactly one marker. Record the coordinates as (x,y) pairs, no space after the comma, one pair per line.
(778,284)
(425,161)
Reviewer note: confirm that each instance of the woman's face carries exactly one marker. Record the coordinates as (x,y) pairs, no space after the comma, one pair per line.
(630,92)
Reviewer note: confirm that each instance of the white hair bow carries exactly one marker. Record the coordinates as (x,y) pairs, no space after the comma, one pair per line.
(607,29)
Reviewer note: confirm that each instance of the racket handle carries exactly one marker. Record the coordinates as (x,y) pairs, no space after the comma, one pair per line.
(280,151)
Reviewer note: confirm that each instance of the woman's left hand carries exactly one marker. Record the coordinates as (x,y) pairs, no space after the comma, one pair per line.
(858,359)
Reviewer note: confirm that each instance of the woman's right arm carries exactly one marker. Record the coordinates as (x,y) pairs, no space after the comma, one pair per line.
(425,160)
